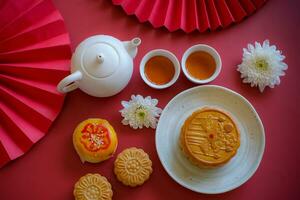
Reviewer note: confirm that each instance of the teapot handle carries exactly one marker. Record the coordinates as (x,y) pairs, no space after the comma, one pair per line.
(69,84)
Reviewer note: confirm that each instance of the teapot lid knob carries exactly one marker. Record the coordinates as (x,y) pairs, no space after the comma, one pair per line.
(100,58)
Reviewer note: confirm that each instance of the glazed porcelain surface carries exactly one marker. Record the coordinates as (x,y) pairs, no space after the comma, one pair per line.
(101,66)
(218,179)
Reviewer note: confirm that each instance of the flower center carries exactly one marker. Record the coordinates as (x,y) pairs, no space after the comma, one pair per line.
(140,112)
(261,64)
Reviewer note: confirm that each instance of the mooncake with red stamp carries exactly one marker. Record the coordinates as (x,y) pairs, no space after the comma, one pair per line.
(95,140)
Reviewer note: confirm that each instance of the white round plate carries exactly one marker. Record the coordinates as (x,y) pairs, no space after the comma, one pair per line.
(216,180)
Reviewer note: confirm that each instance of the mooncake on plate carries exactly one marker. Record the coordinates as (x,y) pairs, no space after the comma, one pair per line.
(209,137)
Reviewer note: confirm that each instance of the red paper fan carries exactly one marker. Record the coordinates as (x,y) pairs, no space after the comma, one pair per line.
(190,15)
(34,57)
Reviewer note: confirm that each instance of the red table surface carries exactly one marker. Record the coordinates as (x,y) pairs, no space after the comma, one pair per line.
(50,169)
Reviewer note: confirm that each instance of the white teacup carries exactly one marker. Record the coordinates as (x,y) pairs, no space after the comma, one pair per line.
(208,49)
(164,53)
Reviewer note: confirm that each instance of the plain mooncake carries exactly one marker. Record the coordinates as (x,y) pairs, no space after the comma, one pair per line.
(133,167)
(93,187)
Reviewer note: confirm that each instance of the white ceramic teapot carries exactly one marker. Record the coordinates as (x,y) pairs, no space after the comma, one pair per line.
(101,66)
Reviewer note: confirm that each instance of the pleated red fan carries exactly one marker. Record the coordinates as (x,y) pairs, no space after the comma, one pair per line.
(190,15)
(34,56)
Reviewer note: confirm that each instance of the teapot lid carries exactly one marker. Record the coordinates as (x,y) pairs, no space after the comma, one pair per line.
(100,60)
(98,56)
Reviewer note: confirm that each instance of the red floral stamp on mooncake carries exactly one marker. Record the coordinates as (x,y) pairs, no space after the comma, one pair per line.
(95,137)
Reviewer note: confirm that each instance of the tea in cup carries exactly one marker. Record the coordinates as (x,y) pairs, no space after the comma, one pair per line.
(201,63)
(159,68)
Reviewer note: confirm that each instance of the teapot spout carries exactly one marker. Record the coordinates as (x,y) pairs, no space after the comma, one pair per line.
(131,46)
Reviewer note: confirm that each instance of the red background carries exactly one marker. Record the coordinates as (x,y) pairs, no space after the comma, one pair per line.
(50,169)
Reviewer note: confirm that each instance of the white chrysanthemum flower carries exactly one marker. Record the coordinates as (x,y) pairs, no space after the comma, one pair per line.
(140,111)
(262,65)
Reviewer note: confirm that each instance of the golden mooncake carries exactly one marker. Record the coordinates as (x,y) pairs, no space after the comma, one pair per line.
(133,167)
(209,137)
(92,187)
(95,140)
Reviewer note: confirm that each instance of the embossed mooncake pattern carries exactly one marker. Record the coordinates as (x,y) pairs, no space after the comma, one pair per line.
(133,167)
(209,137)
(93,187)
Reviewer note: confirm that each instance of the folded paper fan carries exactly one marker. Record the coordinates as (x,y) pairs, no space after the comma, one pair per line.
(190,15)
(34,56)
